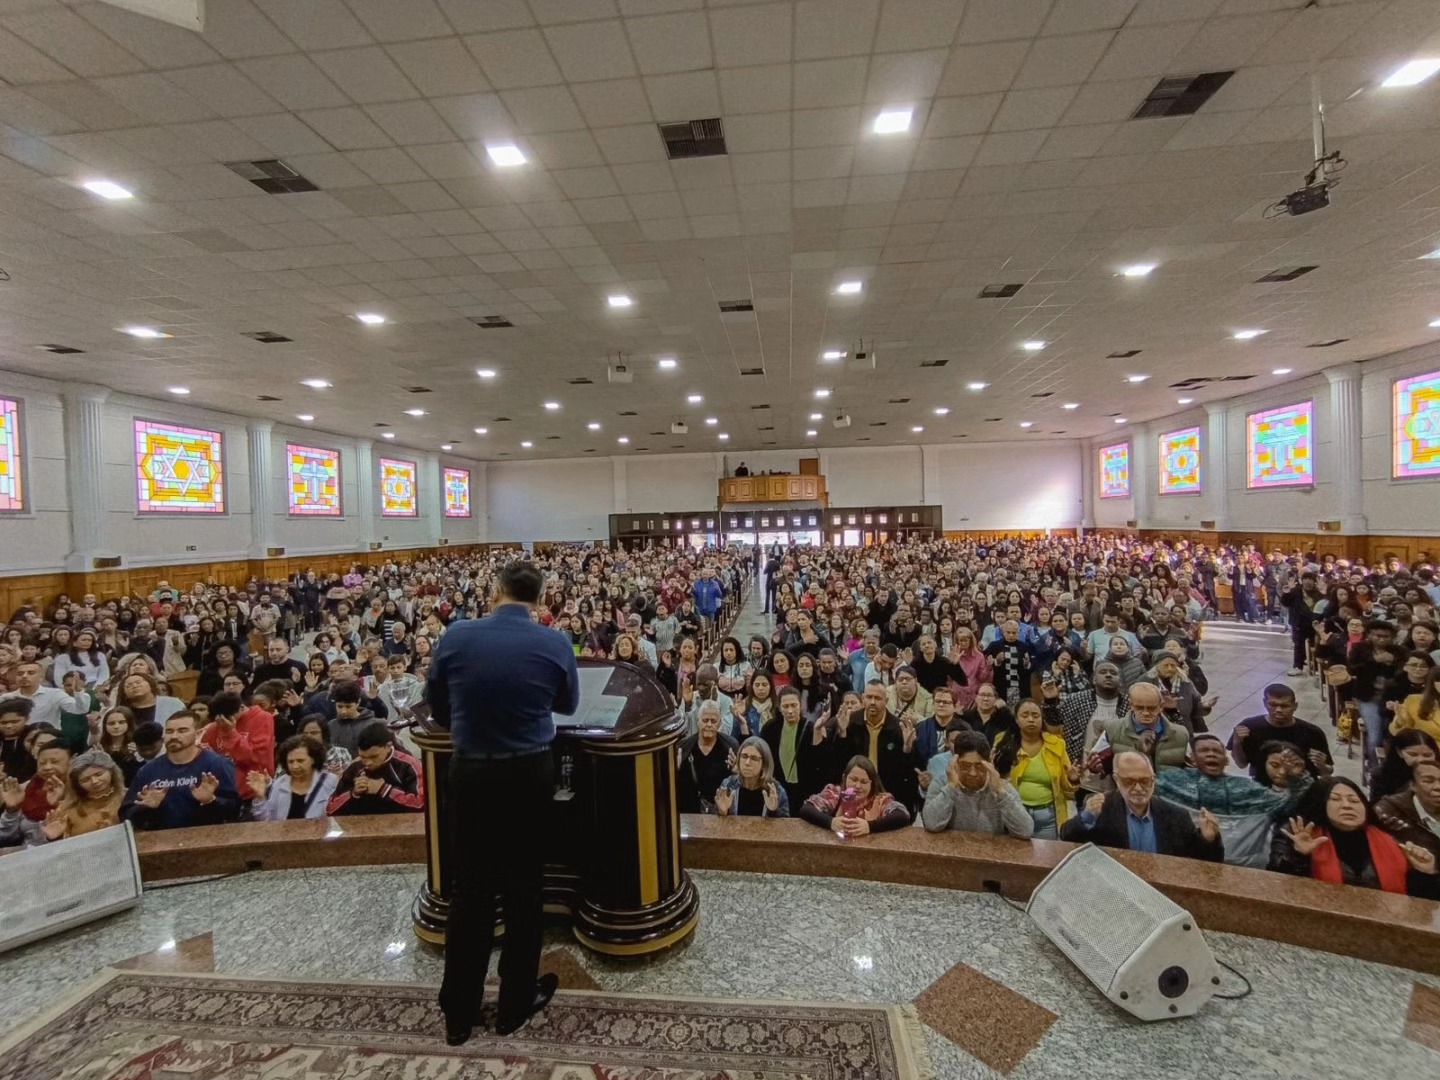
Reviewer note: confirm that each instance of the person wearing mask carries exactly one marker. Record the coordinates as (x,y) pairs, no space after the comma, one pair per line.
(1146,730)
(1132,818)
(1035,762)
(187,785)
(752,790)
(244,736)
(974,796)
(705,760)
(857,806)
(1334,836)
(1280,722)
(382,779)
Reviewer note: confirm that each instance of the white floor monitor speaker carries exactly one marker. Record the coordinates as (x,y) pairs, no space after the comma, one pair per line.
(1141,949)
(53,887)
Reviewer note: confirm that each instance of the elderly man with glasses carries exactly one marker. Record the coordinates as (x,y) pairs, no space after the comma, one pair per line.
(1133,819)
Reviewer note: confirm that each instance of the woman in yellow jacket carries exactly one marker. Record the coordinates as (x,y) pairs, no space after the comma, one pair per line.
(1419,711)
(1038,766)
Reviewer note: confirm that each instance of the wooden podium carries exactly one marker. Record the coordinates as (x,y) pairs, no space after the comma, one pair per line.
(613,866)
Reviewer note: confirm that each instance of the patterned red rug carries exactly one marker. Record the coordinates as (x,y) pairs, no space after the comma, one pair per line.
(136,1025)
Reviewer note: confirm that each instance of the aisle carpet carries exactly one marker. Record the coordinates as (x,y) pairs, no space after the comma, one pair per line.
(136,1025)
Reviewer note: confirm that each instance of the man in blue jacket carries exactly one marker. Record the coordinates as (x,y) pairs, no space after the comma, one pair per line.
(708,594)
(187,785)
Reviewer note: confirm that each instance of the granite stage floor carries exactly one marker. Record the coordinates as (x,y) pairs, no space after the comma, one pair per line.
(995,996)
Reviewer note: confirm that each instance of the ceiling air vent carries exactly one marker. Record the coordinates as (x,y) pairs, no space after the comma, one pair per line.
(60,350)
(771,428)
(879,423)
(752,371)
(693,138)
(417,389)
(1285,275)
(733,307)
(993,419)
(268,397)
(628,413)
(272,177)
(1122,355)
(933,363)
(382,425)
(490,322)
(501,420)
(1327,344)
(760,406)
(551,437)
(582,381)
(899,401)
(1181,95)
(266,337)
(863,438)
(1000,292)
(1044,393)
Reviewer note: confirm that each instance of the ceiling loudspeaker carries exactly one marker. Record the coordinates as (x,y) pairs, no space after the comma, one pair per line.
(55,887)
(619,373)
(842,420)
(1141,949)
(679,427)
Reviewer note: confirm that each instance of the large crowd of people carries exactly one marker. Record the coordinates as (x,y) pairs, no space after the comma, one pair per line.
(1047,687)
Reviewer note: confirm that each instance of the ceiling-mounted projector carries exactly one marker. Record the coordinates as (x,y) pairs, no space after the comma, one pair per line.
(862,357)
(841,420)
(679,427)
(619,373)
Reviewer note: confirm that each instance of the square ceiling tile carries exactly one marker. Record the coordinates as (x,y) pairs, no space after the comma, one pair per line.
(542,108)
(439,67)
(476,116)
(753,34)
(408,21)
(1060,61)
(388,166)
(638,142)
(978,69)
(154,98)
(224,89)
(294,81)
(962,116)
(367,75)
(514,58)
(827,83)
(1024,109)
(410,122)
(827,127)
(565,150)
(1001,20)
(669,43)
(689,96)
(613,103)
(756,89)
(68,39)
(904,78)
(757,132)
(589,51)
(834,27)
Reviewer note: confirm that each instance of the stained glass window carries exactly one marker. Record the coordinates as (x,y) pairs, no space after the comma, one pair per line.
(398,494)
(1115,471)
(179,470)
(1180,462)
(1417,426)
(12,466)
(312,481)
(1279,447)
(457,492)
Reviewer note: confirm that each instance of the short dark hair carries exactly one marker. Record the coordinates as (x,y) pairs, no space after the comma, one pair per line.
(1279,691)
(316,718)
(17,706)
(311,745)
(149,733)
(1111,609)
(226,705)
(271,689)
(891,650)
(1379,624)
(345,693)
(374,735)
(521,581)
(972,742)
(788,691)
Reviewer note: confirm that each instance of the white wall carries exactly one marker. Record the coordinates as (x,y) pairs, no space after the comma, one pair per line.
(671,482)
(552,500)
(1010,486)
(879,476)
(37,539)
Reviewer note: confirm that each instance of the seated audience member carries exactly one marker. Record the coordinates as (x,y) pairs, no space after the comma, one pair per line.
(856,806)
(114,733)
(752,791)
(1335,836)
(1412,815)
(989,715)
(974,796)
(381,781)
(187,785)
(350,718)
(1280,722)
(1179,700)
(1146,730)
(1246,809)
(140,693)
(1419,711)
(1405,751)
(16,760)
(1035,762)
(797,748)
(303,787)
(245,736)
(906,699)
(706,759)
(933,732)
(1131,818)
(315,726)
(94,789)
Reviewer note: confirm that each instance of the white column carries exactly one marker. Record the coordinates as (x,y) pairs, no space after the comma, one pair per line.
(262,487)
(432,498)
(620,481)
(1087,486)
(480,502)
(365,481)
(1142,476)
(1345,447)
(1215,464)
(930,475)
(84,472)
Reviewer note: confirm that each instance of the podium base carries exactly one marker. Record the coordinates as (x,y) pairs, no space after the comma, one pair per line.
(643,931)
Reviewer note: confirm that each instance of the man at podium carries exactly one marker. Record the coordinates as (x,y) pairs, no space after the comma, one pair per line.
(494,683)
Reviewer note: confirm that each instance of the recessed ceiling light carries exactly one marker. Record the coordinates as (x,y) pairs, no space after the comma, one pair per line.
(619,300)
(832,354)
(811,433)
(1246,335)
(1431,254)
(1032,346)
(711,421)
(446,446)
(822,393)
(107,189)
(942,410)
(316,384)
(1121,420)
(387,434)
(527,444)
(1412,72)
(1027,423)
(1136,378)
(1138,270)
(623,440)
(1435,322)
(505,154)
(485,372)
(667,363)
(1281,371)
(1185,401)
(817,416)
(482,431)
(370,318)
(593,425)
(695,399)
(552,405)
(722,436)
(976,386)
(1071,405)
(414,412)
(893,121)
(180,390)
(848,288)
(144,332)
(918,428)
(307,417)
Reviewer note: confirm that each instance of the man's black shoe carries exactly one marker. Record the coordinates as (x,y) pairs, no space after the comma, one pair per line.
(457,1032)
(545,988)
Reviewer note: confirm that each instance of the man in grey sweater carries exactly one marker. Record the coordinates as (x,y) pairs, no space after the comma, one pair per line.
(974,797)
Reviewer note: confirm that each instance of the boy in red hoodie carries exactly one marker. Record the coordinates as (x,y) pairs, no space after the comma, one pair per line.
(244,735)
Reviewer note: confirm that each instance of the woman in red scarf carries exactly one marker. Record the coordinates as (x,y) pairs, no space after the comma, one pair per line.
(1335,837)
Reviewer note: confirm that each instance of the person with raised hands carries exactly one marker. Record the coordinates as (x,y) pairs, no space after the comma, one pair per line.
(973,797)
(706,758)
(187,785)
(857,806)
(752,791)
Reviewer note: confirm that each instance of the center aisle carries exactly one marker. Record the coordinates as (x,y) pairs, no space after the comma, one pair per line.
(752,621)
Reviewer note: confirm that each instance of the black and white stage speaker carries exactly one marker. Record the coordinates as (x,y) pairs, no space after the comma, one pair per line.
(53,887)
(1141,949)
